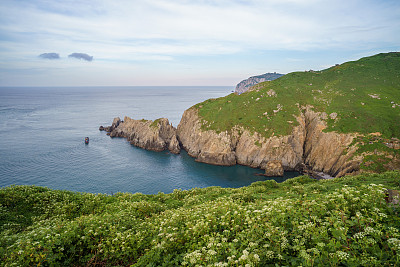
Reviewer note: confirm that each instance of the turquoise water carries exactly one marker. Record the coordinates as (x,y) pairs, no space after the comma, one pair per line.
(42,141)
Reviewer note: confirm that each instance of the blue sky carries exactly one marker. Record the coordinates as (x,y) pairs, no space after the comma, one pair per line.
(183,42)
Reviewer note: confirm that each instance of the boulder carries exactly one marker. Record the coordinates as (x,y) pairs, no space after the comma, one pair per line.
(274,168)
(174,146)
(392,196)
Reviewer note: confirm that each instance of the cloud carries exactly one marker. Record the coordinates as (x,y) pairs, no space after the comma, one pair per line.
(81,56)
(231,36)
(50,56)
(129,30)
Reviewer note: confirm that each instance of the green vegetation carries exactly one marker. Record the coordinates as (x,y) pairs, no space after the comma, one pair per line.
(154,124)
(375,151)
(365,95)
(340,222)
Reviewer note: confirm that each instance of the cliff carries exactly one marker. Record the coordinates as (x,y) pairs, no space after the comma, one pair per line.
(245,85)
(156,135)
(307,148)
(338,121)
(342,120)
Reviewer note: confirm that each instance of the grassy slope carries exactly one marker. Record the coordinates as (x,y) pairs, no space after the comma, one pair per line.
(341,89)
(301,221)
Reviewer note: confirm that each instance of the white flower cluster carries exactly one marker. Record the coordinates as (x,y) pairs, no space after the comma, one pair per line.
(394,244)
(342,255)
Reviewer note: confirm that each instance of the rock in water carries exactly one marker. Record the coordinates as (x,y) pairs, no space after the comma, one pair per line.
(156,135)
(111,128)
(274,168)
(174,146)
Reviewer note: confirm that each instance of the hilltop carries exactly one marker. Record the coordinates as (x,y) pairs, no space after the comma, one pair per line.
(365,95)
(339,121)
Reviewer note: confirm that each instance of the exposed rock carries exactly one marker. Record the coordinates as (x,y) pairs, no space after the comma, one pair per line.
(239,145)
(376,134)
(255,151)
(245,85)
(116,122)
(333,115)
(114,125)
(274,168)
(374,96)
(174,146)
(157,136)
(206,146)
(271,93)
(393,164)
(328,153)
(392,196)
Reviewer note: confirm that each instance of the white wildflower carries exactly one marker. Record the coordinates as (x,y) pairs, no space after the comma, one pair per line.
(342,255)
(394,243)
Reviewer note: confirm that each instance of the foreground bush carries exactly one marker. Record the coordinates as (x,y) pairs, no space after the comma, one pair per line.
(302,221)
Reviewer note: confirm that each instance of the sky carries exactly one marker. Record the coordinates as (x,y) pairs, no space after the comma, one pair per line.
(185,42)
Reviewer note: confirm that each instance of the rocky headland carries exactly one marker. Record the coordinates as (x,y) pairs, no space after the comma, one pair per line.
(307,149)
(330,123)
(246,84)
(158,135)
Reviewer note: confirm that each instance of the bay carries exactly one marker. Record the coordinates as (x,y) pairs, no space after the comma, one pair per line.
(43,131)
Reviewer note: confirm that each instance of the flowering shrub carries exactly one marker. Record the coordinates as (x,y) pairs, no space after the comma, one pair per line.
(301,221)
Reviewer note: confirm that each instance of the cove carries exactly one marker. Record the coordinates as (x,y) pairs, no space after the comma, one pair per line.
(43,143)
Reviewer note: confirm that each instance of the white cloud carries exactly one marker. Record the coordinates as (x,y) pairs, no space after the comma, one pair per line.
(166,30)
(200,27)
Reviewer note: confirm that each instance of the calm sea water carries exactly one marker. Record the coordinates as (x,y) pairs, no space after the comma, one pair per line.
(42,141)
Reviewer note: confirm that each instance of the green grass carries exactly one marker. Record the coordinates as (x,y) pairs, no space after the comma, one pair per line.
(341,222)
(344,89)
(154,124)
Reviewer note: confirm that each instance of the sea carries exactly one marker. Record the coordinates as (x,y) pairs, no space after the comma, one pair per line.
(42,132)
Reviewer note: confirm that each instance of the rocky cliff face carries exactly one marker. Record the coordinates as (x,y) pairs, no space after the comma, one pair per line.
(157,136)
(307,148)
(245,85)
(206,146)
(327,152)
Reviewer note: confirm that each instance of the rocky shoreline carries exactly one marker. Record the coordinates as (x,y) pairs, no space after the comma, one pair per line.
(355,98)
(158,135)
(307,149)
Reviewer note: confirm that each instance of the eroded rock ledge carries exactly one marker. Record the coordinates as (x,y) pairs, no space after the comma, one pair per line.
(156,135)
(307,149)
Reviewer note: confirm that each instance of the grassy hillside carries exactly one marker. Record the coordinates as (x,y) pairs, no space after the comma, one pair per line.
(365,95)
(340,222)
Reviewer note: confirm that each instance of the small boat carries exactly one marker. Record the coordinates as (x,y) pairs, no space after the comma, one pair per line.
(86,140)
